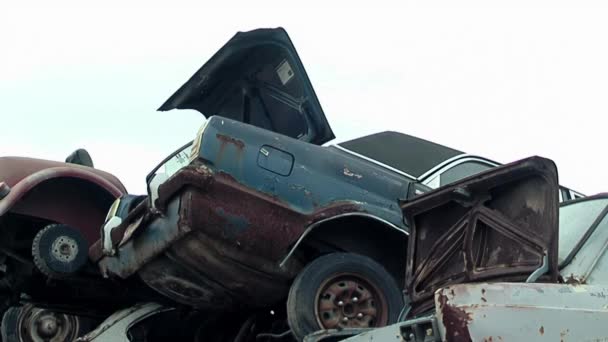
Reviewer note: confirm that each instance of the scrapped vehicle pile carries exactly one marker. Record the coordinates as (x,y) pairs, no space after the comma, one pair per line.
(255,231)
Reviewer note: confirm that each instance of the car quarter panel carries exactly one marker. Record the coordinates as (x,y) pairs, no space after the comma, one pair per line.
(238,216)
(311,182)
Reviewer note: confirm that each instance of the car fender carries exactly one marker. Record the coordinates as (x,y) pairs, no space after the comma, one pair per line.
(71,195)
(382,215)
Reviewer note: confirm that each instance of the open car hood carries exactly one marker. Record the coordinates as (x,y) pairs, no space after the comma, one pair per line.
(257,78)
(495,226)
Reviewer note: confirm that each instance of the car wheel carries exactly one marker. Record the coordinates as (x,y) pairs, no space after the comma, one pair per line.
(342,290)
(59,250)
(30,324)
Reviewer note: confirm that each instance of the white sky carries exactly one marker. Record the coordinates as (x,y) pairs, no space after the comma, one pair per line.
(503,82)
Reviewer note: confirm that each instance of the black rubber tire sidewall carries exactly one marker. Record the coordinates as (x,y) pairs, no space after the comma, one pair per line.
(46,262)
(301,300)
(9,329)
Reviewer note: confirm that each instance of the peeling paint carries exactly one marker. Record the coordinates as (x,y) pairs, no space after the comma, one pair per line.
(349,173)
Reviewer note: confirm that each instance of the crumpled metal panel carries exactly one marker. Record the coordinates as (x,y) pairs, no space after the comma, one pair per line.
(504,312)
(116,327)
(423,329)
(497,225)
(136,253)
(522,312)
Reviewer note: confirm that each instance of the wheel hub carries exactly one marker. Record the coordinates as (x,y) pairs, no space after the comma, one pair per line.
(64,248)
(349,301)
(47,326)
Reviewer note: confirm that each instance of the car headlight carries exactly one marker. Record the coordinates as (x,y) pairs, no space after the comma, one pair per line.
(196,144)
(113,209)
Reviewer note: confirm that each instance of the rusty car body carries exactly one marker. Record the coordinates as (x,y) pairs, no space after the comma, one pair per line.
(35,194)
(259,153)
(55,191)
(504,312)
(238,218)
(491,261)
(484,249)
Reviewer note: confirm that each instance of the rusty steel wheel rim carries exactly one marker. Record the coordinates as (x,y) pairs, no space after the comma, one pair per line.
(349,300)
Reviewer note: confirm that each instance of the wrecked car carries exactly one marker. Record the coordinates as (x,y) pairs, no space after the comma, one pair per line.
(253,213)
(493,258)
(471,243)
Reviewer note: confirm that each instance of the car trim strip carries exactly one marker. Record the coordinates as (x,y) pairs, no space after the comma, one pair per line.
(374,161)
(441,166)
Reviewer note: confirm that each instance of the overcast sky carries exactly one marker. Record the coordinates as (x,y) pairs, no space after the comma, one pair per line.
(504,82)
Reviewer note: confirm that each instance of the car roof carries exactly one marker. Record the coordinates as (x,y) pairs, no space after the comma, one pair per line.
(406,153)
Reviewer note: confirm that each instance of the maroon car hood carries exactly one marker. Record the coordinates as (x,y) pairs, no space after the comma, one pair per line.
(496,225)
(14,169)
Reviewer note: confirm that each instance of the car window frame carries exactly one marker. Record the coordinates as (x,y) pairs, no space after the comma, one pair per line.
(575,194)
(180,149)
(428,179)
(590,230)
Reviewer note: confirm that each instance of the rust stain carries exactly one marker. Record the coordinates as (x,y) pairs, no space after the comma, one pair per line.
(574,280)
(225,141)
(230,140)
(455,320)
(541,330)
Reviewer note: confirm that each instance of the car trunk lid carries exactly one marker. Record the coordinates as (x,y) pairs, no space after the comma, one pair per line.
(495,226)
(257,78)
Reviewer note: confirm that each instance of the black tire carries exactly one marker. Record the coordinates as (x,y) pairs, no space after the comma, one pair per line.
(48,258)
(329,272)
(9,330)
(17,323)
